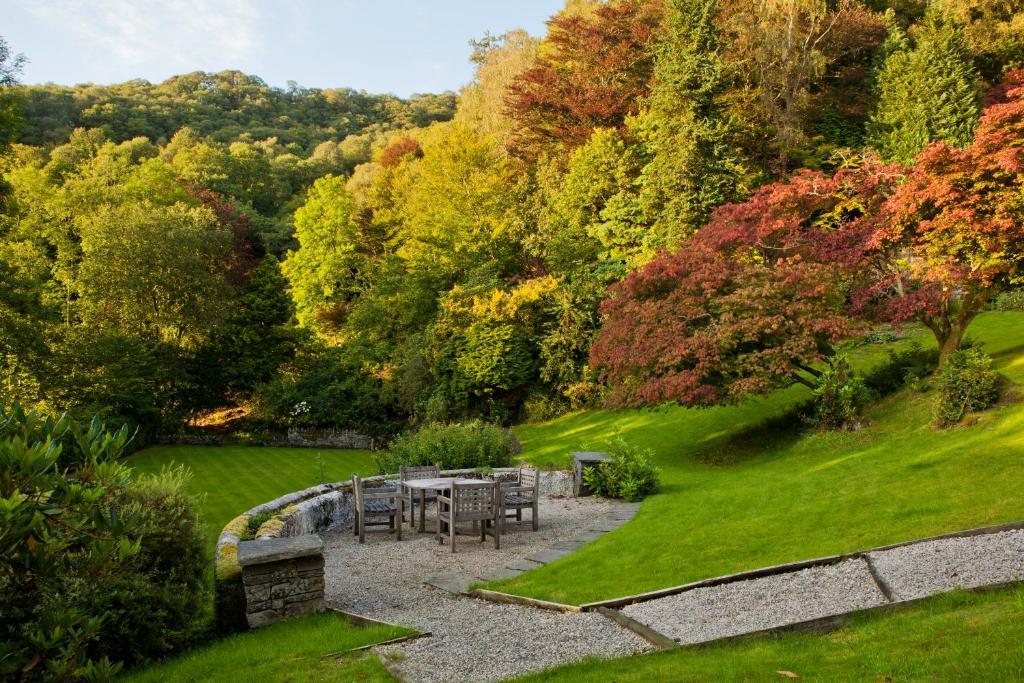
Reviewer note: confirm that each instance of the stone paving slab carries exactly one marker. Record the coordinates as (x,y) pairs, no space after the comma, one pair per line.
(549,555)
(524,565)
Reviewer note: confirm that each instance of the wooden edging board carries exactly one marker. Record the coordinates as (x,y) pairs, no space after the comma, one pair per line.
(655,638)
(787,567)
(508,599)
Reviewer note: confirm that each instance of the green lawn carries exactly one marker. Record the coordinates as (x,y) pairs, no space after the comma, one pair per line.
(286,651)
(232,479)
(774,497)
(952,637)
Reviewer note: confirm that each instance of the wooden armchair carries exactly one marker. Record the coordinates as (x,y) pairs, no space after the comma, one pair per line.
(385,501)
(471,503)
(411,497)
(520,495)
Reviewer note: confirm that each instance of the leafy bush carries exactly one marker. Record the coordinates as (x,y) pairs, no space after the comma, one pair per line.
(966,384)
(158,601)
(95,568)
(451,446)
(1012,300)
(908,366)
(630,474)
(840,396)
(322,389)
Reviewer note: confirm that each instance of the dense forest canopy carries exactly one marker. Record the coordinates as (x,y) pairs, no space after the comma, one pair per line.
(328,257)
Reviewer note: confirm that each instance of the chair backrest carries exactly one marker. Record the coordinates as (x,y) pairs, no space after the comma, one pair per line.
(419,472)
(475,501)
(529,478)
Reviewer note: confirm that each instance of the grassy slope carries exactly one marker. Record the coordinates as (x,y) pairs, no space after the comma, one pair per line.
(957,636)
(232,479)
(286,651)
(787,497)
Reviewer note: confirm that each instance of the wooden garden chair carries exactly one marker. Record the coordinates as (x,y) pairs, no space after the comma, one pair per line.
(385,501)
(412,498)
(521,495)
(477,503)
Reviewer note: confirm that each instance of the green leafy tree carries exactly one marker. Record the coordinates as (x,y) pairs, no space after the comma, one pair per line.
(926,92)
(324,271)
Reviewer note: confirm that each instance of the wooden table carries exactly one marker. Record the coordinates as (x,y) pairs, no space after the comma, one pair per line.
(439,484)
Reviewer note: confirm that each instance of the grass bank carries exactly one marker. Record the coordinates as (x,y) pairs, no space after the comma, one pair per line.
(286,651)
(740,491)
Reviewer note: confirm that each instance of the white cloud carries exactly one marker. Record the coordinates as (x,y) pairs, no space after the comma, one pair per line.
(172,34)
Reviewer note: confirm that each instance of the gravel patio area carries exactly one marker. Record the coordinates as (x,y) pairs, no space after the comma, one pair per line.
(472,640)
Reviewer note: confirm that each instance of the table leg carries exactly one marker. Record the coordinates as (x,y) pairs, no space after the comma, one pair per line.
(423,510)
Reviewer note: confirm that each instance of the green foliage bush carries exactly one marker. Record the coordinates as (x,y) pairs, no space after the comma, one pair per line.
(630,474)
(907,366)
(966,384)
(451,446)
(96,568)
(321,389)
(840,396)
(158,602)
(1012,300)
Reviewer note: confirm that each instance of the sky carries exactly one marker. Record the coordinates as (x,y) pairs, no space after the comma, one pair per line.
(396,46)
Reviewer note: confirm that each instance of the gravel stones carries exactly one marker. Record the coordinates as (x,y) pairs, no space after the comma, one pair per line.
(471,640)
(713,612)
(915,571)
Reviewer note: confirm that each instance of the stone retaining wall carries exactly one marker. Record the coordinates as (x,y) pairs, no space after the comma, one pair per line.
(294,438)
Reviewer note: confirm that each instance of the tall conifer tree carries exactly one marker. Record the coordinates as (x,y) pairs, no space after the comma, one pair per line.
(925,93)
(693,164)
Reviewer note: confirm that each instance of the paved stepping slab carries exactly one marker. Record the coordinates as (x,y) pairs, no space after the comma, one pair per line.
(549,555)
(524,565)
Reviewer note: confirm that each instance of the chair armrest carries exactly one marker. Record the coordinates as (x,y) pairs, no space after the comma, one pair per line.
(518,489)
(444,499)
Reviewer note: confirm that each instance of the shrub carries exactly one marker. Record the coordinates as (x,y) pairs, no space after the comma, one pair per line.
(93,565)
(630,474)
(840,396)
(1012,300)
(450,446)
(966,384)
(909,366)
(158,601)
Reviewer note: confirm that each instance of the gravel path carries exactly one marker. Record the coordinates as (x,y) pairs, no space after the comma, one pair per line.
(715,612)
(915,571)
(472,640)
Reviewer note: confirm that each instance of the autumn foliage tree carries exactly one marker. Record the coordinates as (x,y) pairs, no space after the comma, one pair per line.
(952,235)
(591,72)
(752,303)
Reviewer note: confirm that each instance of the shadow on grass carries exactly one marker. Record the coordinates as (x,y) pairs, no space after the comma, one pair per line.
(771,434)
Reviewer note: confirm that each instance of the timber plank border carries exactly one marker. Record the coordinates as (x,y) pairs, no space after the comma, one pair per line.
(655,638)
(509,599)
